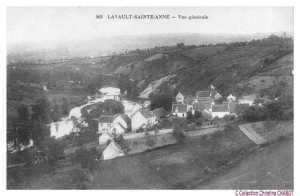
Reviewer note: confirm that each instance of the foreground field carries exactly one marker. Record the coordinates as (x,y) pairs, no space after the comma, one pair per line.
(270,168)
(182,165)
(226,159)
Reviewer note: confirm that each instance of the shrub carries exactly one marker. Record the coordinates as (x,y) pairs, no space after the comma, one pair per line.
(86,158)
(79,179)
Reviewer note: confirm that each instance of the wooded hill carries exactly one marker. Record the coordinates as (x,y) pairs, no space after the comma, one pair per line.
(239,68)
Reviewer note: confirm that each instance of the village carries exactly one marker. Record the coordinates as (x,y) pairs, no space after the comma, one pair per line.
(201,99)
(139,121)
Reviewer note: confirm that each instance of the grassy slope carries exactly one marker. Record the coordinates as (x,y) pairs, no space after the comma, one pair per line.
(178,166)
(224,65)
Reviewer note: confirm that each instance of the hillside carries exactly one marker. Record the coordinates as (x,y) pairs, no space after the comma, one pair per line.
(241,67)
(257,66)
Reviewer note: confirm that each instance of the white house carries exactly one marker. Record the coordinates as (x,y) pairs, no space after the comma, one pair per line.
(220,110)
(130,107)
(231,98)
(113,124)
(110,93)
(179,98)
(142,119)
(146,104)
(179,110)
(104,139)
(111,151)
(247,99)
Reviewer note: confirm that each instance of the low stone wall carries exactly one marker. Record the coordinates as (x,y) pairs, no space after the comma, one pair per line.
(270,130)
(143,134)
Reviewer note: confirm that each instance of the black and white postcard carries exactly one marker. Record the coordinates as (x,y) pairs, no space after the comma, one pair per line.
(150,98)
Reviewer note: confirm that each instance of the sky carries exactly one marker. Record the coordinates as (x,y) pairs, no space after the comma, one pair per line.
(59,24)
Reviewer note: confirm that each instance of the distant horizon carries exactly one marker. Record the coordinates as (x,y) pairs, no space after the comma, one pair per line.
(259,35)
(98,47)
(66,24)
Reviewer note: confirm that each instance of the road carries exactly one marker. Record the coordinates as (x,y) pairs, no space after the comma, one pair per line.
(269,168)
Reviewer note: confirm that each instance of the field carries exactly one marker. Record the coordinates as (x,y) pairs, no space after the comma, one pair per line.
(270,168)
(182,165)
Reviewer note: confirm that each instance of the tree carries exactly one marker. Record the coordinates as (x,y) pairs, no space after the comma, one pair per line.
(108,107)
(79,178)
(56,112)
(23,113)
(128,86)
(65,106)
(41,110)
(161,100)
(53,150)
(179,127)
(40,132)
(86,158)
(22,125)
(113,107)
(254,113)
(197,114)
(189,116)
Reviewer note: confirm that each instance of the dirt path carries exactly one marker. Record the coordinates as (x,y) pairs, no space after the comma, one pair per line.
(251,134)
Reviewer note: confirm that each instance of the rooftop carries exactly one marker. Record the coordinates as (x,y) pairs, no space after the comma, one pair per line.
(159,112)
(220,108)
(106,118)
(202,94)
(179,108)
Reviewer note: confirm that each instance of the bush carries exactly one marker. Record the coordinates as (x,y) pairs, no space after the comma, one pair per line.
(161,100)
(53,150)
(254,113)
(277,110)
(79,178)
(86,158)
(178,129)
(150,142)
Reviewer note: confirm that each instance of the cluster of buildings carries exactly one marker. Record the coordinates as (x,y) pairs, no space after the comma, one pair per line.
(205,102)
(136,116)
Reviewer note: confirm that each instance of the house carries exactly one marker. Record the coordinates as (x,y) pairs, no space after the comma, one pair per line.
(160,113)
(231,98)
(204,99)
(203,103)
(151,118)
(113,124)
(179,98)
(105,124)
(201,106)
(202,94)
(104,139)
(220,110)
(214,93)
(247,99)
(124,121)
(112,150)
(232,107)
(110,93)
(146,104)
(179,110)
(130,107)
(189,100)
(142,119)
